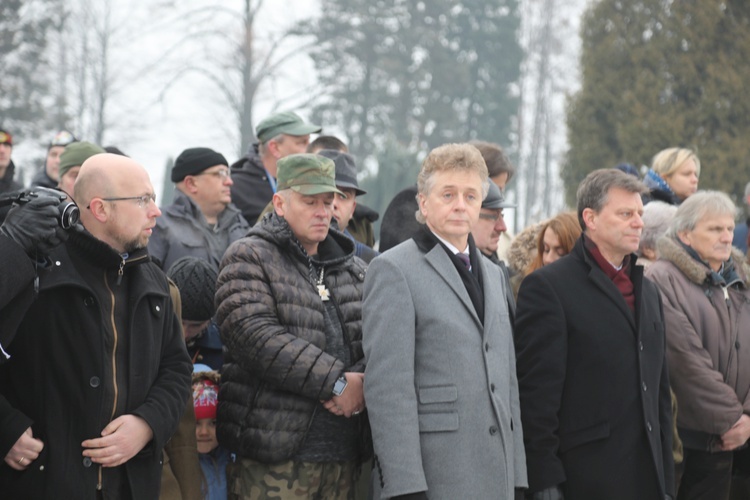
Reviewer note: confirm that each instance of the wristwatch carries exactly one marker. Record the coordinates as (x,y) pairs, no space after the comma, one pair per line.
(339,386)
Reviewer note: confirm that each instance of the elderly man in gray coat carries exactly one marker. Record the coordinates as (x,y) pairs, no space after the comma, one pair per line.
(440,382)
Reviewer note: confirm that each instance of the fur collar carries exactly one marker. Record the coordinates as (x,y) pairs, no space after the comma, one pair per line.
(672,251)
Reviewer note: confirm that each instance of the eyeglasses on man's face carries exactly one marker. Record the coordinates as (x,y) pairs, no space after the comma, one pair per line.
(494,217)
(142,201)
(222,174)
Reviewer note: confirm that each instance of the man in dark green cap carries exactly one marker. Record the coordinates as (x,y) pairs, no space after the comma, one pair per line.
(289,301)
(254,175)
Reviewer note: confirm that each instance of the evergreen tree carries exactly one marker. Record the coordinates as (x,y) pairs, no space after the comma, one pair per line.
(414,75)
(23,84)
(659,74)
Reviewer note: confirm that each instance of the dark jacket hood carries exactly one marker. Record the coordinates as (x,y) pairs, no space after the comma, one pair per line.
(250,161)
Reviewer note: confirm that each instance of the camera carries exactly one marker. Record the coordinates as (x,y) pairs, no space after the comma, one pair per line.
(69,212)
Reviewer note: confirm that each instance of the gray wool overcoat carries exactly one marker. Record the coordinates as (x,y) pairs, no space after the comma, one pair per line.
(440,386)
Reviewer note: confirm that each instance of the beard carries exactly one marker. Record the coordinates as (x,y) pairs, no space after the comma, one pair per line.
(134,244)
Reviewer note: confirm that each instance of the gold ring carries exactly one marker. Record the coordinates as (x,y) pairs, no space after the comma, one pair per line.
(20,460)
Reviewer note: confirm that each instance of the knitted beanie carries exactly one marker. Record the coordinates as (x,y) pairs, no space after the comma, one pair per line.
(205,398)
(196,280)
(194,161)
(75,154)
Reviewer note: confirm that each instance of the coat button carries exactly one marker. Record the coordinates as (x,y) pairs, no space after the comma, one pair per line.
(492,387)
(640,345)
(645,387)
(648,426)
(158,308)
(88,301)
(486,347)
(94,382)
(737,344)
(86,462)
(493,430)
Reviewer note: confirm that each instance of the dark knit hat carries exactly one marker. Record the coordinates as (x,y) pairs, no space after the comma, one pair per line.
(6,138)
(346,169)
(75,154)
(194,161)
(196,280)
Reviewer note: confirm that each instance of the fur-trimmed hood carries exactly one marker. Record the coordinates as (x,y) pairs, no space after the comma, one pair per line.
(672,251)
(523,248)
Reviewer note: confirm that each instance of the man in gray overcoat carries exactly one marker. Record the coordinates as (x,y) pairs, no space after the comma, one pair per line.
(440,382)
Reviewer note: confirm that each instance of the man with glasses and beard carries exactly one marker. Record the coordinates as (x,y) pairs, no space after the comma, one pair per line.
(98,374)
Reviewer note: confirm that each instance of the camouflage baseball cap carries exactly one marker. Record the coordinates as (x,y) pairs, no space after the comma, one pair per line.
(284,123)
(307,174)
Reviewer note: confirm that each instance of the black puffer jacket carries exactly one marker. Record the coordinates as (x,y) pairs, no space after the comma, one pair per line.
(272,323)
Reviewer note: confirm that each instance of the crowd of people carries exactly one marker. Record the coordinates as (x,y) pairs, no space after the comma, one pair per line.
(254,339)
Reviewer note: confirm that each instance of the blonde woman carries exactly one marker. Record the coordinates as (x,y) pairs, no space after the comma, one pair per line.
(673,175)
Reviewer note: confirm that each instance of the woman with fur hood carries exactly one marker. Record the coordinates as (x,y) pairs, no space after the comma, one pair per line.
(706,298)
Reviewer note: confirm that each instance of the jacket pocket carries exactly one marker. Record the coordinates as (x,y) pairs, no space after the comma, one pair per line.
(438,394)
(438,422)
(578,437)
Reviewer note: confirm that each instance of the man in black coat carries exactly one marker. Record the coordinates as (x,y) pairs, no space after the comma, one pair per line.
(98,374)
(595,400)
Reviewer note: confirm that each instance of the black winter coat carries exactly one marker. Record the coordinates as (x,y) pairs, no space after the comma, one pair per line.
(251,191)
(272,324)
(595,400)
(54,381)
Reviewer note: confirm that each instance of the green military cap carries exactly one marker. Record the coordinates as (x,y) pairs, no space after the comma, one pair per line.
(75,154)
(284,123)
(307,174)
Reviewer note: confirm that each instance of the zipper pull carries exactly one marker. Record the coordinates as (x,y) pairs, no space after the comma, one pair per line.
(726,293)
(120,272)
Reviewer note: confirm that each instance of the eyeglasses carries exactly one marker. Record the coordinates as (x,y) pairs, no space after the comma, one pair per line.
(492,217)
(142,200)
(222,174)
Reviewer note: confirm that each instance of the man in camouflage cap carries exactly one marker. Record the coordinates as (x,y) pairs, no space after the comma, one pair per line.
(254,175)
(289,307)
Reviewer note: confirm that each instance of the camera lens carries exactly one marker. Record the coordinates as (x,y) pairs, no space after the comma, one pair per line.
(69,215)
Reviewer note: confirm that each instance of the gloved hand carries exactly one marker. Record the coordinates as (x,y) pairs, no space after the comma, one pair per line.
(34,225)
(553,493)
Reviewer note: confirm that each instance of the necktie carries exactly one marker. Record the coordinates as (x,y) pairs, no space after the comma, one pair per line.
(465,259)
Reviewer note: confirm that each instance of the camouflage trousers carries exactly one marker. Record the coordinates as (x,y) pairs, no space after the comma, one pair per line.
(251,480)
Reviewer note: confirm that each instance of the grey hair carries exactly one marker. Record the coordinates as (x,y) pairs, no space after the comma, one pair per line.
(446,158)
(706,203)
(593,192)
(263,146)
(657,216)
